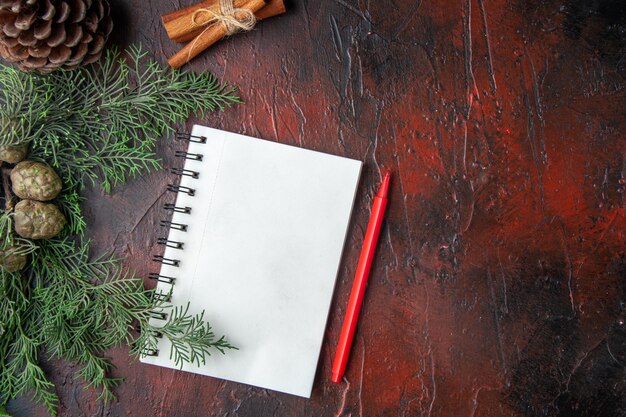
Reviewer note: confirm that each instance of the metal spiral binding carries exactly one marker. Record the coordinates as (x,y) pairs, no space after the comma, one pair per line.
(170,243)
(187,172)
(159,315)
(188,155)
(161,278)
(166,261)
(161,296)
(149,352)
(173,207)
(189,137)
(172,225)
(181,189)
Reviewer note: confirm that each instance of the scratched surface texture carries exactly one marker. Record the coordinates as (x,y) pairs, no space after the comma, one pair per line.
(499,286)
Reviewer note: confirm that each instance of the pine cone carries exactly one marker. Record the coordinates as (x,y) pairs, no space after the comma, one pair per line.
(13,153)
(11,260)
(35,181)
(37,220)
(50,34)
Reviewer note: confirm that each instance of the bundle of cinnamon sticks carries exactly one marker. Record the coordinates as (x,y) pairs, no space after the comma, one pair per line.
(182,25)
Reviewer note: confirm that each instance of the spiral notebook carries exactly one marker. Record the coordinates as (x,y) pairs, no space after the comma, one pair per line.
(255,240)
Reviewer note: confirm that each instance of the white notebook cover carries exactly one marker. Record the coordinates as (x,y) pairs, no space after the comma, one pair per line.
(261,255)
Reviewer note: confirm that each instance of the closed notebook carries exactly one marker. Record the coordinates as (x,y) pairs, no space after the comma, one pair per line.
(261,251)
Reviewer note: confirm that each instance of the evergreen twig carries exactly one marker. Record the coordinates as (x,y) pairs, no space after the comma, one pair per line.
(191,337)
(98,125)
(95,126)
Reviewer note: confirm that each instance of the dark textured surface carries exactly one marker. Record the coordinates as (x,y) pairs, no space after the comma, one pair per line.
(499,286)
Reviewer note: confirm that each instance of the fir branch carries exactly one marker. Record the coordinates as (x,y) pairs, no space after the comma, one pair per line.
(19,368)
(99,124)
(69,202)
(95,372)
(80,308)
(22,111)
(190,336)
(25,372)
(95,126)
(82,315)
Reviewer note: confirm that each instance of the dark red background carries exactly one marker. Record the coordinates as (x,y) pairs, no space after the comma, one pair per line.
(499,284)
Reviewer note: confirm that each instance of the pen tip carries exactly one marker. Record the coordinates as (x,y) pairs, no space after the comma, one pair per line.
(384,187)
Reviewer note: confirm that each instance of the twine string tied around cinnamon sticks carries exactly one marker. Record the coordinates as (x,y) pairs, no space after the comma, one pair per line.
(234,19)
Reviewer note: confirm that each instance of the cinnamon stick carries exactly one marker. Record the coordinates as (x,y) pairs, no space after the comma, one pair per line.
(206,38)
(180,27)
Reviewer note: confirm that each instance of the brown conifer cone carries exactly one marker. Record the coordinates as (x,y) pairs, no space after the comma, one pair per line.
(45,35)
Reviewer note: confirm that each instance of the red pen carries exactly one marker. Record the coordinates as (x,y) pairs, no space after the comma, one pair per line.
(360,280)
